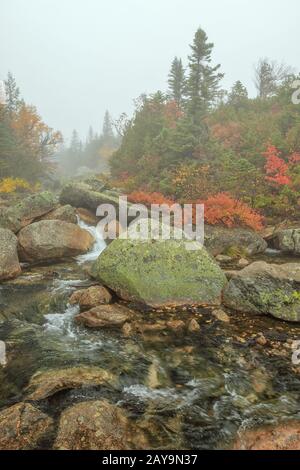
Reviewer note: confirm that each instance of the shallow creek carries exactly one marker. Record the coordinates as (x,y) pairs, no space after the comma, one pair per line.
(189,391)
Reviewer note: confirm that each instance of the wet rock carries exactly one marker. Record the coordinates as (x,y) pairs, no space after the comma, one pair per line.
(53,239)
(46,383)
(25,212)
(91,297)
(22,427)
(193,326)
(234,242)
(220,315)
(223,259)
(230,274)
(160,273)
(9,262)
(288,241)
(243,263)
(285,436)
(261,340)
(127,329)
(64,213)
(87,216)
(105,316)
(176,325)
(83,195)
(264,288)
(93,425)
(152,327)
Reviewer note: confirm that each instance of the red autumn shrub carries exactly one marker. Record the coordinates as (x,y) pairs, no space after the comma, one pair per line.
(223,209)
(276,168)
(141,197)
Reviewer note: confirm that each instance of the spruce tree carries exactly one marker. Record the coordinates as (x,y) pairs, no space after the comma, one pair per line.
(203,81)
(107,130)
(177,81)
(238,94)
(13,96)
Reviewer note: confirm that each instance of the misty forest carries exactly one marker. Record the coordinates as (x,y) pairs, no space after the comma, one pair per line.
(119,344)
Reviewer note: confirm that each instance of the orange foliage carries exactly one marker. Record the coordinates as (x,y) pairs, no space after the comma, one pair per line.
(141,197)
(276,168)
(172,113)
(33,132)
(223,209)
(229,134)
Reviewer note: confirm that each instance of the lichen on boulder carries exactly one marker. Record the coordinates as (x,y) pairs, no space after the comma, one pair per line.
(264,288)
(160,273)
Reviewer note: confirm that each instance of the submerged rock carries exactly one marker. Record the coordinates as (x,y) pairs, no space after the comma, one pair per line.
(22,427)
(91,297)
(264,288)
(25,212)
(221,316)
(105,316)
(193,326)
(233,241)
(9,262)
(288,241)
(285,436)
(93,425)
(52,239)
(160,273)
(46,383)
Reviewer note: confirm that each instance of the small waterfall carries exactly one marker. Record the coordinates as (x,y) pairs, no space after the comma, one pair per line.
(98,247)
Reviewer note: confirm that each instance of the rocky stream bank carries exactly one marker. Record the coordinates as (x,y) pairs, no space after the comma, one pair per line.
(144,345)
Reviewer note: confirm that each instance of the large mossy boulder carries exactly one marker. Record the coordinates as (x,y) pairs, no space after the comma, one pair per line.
(52,239)
(288,241)
(160,273)
(264,288)
(84,195)
(9,261)
(25,212)
(233,241)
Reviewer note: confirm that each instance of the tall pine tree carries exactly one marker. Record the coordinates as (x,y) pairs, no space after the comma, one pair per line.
(177,81)
(13,97)
(203,81)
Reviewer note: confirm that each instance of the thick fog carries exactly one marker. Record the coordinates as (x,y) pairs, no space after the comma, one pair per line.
(74,59)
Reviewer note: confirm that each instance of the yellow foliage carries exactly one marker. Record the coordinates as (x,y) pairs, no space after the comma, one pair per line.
(10,185)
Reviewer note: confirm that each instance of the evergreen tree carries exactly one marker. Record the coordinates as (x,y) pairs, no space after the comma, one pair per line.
(238,94)
(203,81)
(13,97)
(176,81)
(90,136)
(75,145)
(107,130)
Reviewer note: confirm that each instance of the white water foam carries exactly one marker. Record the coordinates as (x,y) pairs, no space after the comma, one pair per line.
(62,323)
(98,247)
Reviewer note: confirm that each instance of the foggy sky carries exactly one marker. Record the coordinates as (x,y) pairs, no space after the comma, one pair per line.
(74,59)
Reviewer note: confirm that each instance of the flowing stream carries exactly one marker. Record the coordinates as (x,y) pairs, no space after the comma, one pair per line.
(185,391)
